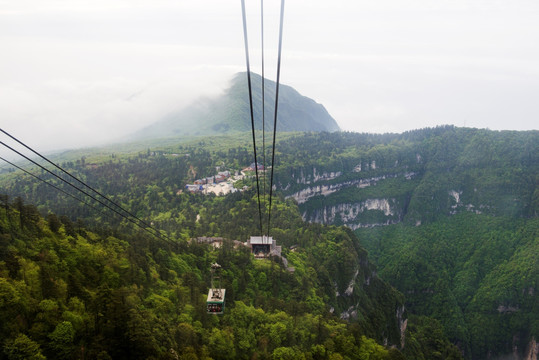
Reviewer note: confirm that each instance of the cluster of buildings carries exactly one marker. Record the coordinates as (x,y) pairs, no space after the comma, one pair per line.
(252,167)
(221,176)
(220,184)
(199,184)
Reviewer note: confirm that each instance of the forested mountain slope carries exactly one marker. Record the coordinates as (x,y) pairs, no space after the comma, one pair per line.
(364,180)
(135,296)
(230,112)
(67,292)
(477,274)
(448,214)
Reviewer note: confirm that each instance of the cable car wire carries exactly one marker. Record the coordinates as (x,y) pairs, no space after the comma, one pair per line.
(74,177)
(275,110)
(251,106)
(277,82)
(263,103)
(50,184)
(155,233)
(70,184)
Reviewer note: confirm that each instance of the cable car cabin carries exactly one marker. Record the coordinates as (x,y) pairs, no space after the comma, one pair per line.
(263,246)
(216,301)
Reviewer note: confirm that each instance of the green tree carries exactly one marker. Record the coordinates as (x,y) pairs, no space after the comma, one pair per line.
(221,344)
(62,340)
(23,348)
(287,353)
(370,350)
(54,223)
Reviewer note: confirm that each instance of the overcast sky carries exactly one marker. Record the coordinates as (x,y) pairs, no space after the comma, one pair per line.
(81,72)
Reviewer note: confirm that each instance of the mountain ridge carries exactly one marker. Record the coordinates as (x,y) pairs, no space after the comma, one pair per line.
(230,112)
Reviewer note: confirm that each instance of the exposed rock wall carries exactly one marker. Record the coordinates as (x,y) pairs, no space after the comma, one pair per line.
(305,177)
(326,189)
(533,350)
(365,279)
(348,213)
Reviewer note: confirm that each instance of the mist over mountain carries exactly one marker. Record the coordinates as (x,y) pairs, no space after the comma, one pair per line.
(230,112)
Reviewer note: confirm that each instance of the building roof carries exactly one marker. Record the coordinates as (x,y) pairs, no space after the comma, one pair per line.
(261,240)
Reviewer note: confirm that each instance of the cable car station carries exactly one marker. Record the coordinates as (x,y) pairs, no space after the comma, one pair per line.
(263,246)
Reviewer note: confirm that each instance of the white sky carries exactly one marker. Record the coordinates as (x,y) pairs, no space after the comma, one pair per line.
(82,72)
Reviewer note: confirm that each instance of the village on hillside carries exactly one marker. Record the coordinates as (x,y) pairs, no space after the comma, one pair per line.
(221,183)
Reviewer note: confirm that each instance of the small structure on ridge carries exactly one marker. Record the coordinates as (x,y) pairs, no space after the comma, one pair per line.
(263,246)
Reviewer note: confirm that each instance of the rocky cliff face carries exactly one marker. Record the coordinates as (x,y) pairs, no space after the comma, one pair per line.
(358,181)
(435,178)
(533,350)
(317,192)
(326,189)
(360,295)
(338,198)
(350,214)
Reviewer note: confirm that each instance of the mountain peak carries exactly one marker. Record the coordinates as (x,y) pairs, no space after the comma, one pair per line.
(230,112)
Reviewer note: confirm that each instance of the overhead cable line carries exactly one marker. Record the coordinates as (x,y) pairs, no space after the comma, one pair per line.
(74,177)
(263,102)
(251,107)
(263,107)
(74,186)
(71,195)
(155,233)
(50,184)
(275,109)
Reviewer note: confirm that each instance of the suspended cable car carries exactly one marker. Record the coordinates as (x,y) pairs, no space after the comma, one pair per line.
(215,304)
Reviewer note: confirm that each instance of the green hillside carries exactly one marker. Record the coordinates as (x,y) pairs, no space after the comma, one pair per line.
(364,180)
(477,274)
(448,215)
(229,113)
(70,293)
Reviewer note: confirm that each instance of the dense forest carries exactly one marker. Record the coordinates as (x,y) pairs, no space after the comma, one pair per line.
(67,292)
(477,274)
(448,215)
(422,175)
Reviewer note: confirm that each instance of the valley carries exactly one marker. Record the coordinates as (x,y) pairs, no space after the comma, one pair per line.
(440,237)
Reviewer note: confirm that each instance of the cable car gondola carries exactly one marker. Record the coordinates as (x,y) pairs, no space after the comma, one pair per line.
(215,304)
